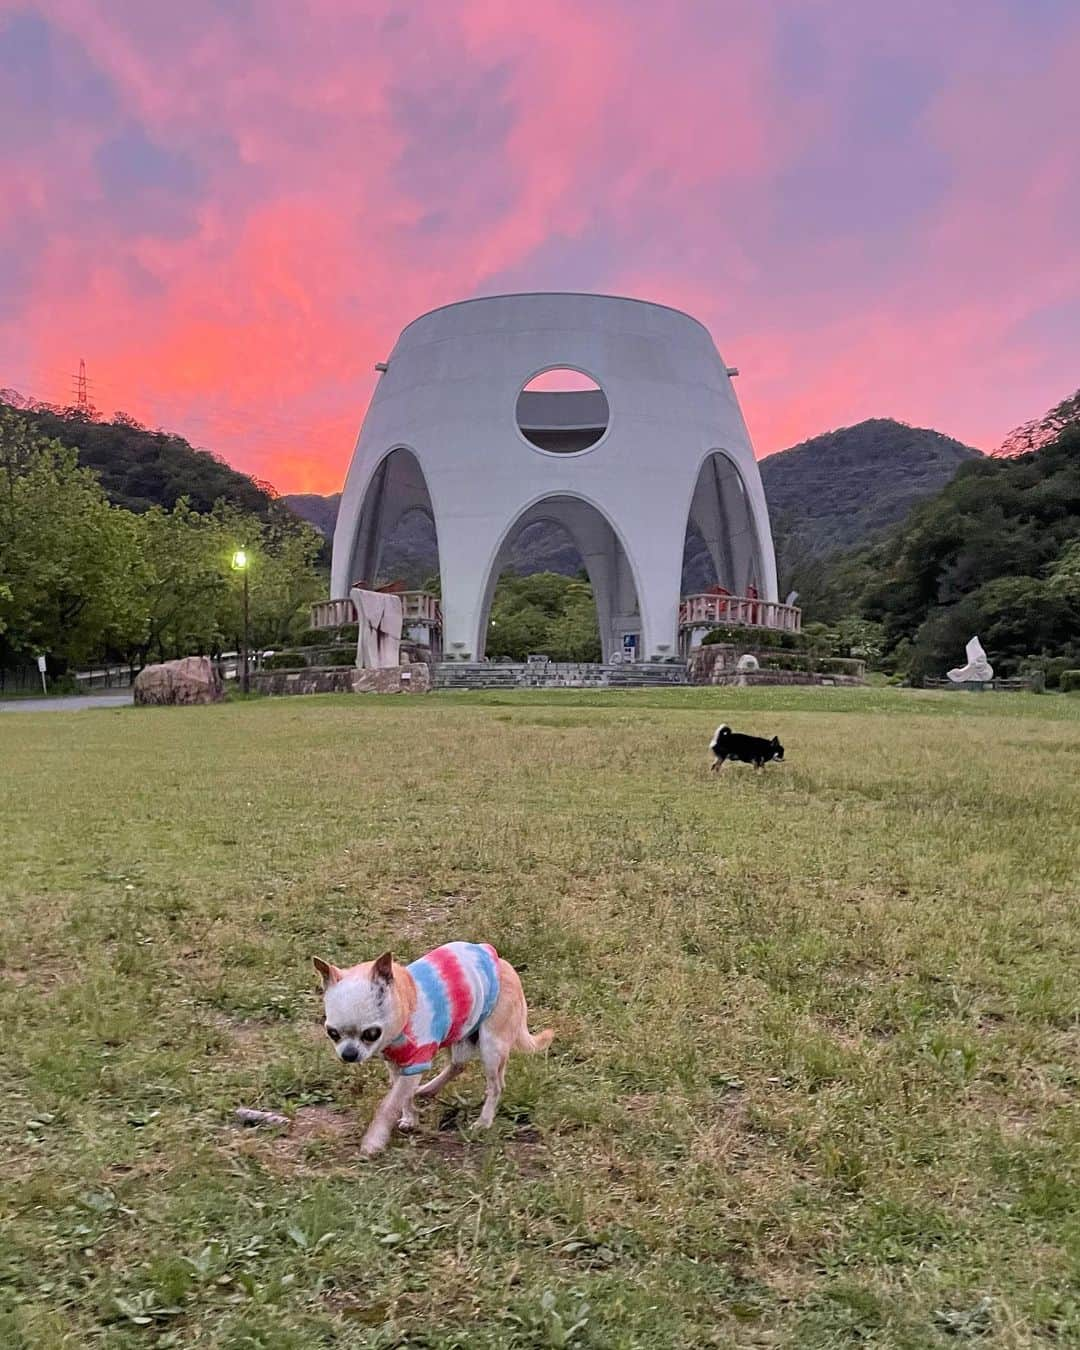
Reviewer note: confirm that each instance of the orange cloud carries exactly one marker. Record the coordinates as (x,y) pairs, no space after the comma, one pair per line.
(232,213)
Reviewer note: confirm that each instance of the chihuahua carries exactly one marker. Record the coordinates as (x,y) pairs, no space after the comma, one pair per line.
(463,996)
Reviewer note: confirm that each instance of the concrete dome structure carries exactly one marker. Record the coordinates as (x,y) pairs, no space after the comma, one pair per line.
(657,441)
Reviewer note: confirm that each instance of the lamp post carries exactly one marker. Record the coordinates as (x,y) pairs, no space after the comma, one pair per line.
(240,564)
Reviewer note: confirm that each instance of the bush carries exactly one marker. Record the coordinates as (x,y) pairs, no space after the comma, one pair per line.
(821,665)
(1051,667)
(341,656)
(752,637)
(284,661)
(348,632)
(314,637)
(1069,682)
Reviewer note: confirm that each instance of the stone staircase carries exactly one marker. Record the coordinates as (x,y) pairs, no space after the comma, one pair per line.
(557,675)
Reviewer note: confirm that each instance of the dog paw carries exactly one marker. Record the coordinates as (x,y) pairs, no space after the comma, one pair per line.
(407,1124)
(370,1147)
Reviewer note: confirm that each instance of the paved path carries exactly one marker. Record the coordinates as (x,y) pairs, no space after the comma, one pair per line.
(119,698)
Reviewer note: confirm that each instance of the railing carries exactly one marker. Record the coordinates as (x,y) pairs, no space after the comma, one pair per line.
(416,607)
(332,613)
(421,607)
(741,611)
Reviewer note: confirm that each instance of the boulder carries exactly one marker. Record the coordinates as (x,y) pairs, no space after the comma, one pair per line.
(193,679)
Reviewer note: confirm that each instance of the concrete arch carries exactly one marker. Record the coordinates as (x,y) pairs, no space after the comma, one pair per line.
(396,487)
(722,511)
(603,554)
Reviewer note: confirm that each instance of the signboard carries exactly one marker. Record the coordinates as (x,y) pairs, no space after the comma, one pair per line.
(629,646)
(41,672)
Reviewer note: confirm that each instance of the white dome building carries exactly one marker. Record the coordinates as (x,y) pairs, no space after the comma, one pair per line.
(645,436)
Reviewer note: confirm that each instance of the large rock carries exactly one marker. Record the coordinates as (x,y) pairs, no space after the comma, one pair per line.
(194,679)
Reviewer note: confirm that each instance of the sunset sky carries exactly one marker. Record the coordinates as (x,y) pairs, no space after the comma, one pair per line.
(231,208)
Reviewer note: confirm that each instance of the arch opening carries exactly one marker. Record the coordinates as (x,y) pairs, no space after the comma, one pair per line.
(562,411)
(396,529)
(721,546)
(543,600)
(603,560)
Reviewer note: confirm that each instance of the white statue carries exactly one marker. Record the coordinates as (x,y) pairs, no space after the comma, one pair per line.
(746,663)
(378,617)
(978,669)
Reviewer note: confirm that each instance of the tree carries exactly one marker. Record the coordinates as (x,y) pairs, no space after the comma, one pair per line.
(188,583)
(283,575)
(1034,435)
(545,612)
(71,570)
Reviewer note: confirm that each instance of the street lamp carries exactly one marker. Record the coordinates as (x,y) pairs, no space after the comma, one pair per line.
(240,564)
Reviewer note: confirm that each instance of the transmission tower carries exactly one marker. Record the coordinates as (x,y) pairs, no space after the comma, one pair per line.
(82,398)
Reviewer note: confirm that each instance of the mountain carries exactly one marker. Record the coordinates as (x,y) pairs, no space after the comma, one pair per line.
(839,490)
(828,494)
(318,511)
(411,553)
(139,468)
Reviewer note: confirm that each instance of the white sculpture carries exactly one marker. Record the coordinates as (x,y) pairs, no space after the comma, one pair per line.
(378,617)
(978,669)
(746,663)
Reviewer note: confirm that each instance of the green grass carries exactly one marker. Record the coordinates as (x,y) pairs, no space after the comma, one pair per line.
(817,1066)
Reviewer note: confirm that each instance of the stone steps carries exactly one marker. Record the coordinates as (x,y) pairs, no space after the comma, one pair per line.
(556,675)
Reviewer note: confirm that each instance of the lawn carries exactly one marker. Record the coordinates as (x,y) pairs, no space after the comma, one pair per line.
(817,1059)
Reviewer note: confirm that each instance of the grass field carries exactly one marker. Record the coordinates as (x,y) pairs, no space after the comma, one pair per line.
(817,1067)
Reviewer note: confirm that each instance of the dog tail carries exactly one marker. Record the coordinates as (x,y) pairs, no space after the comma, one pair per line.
(531,1044)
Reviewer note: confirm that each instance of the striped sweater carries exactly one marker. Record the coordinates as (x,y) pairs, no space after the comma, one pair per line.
(456,988)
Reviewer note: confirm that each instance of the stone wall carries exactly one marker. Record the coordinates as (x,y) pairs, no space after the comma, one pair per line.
(717,662)
(409,679)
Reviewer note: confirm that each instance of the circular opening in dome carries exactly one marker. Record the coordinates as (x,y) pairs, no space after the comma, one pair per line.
(562,411)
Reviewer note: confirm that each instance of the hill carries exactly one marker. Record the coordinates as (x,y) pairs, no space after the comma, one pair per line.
(411,553)
(318,511)
(139,468)
(997,553)
(832,493)
(840,489)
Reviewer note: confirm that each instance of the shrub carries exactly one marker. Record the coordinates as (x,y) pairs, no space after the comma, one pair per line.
(752,637)
(348,632)
(822,665)
(283,661)
(340,656)
(1069,682)
(313,637)
(1052,668)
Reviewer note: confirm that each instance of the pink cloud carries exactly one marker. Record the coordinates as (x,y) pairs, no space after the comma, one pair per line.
(870,222)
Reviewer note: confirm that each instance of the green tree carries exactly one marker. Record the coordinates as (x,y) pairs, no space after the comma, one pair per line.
(283,573)
(188,583)
(544,612)
(72,574)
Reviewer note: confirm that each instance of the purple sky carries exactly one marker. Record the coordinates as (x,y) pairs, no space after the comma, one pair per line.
(230,209)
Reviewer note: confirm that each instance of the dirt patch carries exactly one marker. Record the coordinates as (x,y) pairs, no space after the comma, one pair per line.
(419,918)
(44,977)
(524,1146)
(321,1122)
(335,1135)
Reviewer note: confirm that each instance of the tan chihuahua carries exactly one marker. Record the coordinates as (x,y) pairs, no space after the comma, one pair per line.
(463,996)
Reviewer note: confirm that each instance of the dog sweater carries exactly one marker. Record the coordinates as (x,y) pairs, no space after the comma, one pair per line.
(456,988)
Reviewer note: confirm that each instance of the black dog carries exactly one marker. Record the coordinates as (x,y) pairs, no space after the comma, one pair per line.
(756,750)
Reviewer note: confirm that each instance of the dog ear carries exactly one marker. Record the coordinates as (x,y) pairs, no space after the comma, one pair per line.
(329,973)
(776,740)
(383,968)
